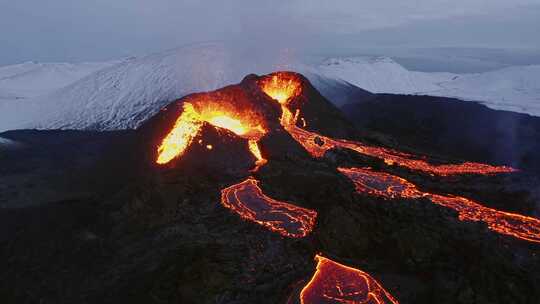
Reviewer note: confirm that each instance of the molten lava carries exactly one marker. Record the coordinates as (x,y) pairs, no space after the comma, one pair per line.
(389,186)
(283,87)
(188,125)
(337,283)
(317,145)
(248,200)
(176,142)
(254,148)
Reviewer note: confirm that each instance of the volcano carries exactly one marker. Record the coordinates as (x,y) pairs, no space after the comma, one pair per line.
(264,192)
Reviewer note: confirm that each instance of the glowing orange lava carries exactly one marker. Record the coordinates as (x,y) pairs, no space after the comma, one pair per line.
(336,283)
(188,125)
(317,145)
(285,86)
(386,185)
(176,142)
(254,148)
(247,199)
(281,86)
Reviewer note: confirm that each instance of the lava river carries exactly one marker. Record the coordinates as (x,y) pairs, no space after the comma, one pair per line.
(389,186)
(337,283)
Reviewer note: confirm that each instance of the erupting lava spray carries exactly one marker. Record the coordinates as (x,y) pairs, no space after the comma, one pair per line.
(337,283)
(188,125)
(389,186)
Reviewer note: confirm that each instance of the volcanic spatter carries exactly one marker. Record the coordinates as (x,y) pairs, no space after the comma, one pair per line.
(261,106)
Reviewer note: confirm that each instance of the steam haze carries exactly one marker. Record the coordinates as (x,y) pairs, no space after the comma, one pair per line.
(66,30)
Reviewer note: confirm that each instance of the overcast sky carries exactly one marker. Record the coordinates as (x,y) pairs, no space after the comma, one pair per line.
(78,30)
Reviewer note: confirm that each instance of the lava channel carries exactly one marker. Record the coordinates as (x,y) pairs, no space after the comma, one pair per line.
(389,186)
(248,201)
(336,283)
(283,87)
(317,145)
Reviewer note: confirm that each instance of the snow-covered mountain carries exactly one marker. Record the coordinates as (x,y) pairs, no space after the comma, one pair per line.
(31,79)
(122,94)
(513,88)
(127,93)
(380,75)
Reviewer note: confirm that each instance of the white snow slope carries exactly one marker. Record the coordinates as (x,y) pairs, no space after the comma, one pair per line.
(31,79)
(514,88)
(124,94)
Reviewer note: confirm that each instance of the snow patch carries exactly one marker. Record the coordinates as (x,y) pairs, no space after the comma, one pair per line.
(31,79)
(514,88)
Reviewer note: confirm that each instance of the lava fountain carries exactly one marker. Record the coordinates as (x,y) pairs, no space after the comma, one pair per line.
(217,114)
(337,283)
(389,186)
(248,200)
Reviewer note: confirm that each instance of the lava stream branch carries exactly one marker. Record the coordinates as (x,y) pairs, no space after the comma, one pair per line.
(337,283)
(283,87)
(389,186)
(248,201)
(317,145)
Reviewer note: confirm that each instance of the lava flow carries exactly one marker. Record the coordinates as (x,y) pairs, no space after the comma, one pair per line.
(248,200)
(283,87)
(317,145)
(249,116)
(188,125)
(389,186)
(337,283)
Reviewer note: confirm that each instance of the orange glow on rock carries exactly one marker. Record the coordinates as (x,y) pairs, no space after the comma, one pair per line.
(389,186)
(336,283)
(254,148)
(248,201)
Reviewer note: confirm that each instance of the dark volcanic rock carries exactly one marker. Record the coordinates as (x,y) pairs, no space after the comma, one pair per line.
(451,128)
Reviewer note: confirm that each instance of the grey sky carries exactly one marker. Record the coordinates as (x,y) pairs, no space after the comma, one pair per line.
(77,30)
